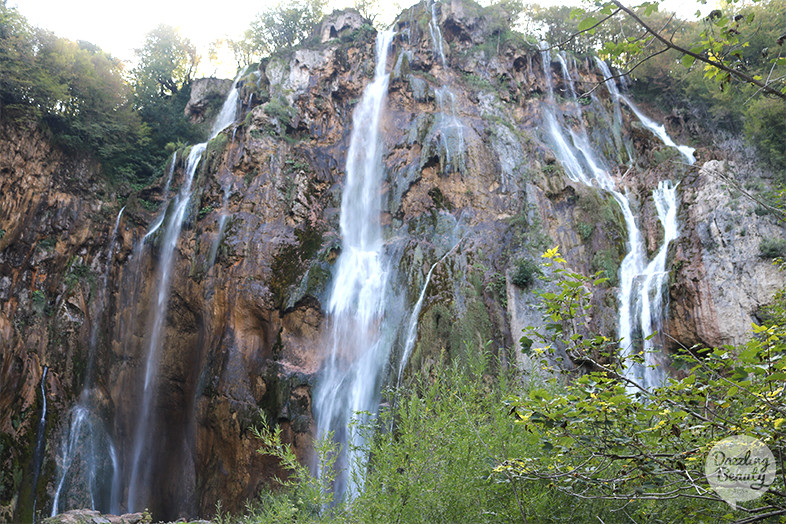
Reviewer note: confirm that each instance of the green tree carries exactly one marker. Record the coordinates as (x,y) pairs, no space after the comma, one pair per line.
(166,62)
(162,87)
(719,46)
(285,25)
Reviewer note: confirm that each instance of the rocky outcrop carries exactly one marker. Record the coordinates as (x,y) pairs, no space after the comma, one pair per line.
(207,95)
(54,211)
(472,186)
(340,24)
(720,278)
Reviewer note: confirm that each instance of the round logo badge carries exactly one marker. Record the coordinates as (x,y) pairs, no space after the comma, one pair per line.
(740,468)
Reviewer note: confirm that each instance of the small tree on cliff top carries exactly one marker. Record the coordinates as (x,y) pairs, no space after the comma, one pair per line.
(285,25)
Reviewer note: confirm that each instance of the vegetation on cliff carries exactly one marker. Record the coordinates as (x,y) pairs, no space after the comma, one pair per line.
(83,96)
(469,441)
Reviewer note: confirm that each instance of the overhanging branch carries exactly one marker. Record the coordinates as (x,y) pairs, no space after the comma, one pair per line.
(720,65)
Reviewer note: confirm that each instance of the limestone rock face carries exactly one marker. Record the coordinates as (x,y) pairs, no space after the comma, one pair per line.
(721,279)
(340,23)
(207,95)
(472,187)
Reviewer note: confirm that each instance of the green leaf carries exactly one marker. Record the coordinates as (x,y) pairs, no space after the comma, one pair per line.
(587,23)
(688,60)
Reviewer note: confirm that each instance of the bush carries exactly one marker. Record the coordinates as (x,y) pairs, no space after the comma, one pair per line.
(765,127)
(525,273)
(772,248)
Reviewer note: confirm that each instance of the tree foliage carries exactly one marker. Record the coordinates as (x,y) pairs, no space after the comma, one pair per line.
(166,62)
(719,45)
(75,89)
(86,101)
(606,438)
(284,26)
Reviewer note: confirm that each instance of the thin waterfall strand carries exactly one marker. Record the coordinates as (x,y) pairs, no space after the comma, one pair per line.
(412,326)
(38,457)
(166,258)
(85,431)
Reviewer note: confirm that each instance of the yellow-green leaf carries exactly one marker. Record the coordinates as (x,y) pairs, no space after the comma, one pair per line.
(688,60)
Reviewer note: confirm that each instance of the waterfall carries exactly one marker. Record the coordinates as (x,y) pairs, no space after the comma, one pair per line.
(40,445)
(436,34)
(140,465)
(155,226)
(140,469)
(653,280)
(87,437)
(641,282)
(659,130)
(450,129)
(349,384)
(93,341)
(228,113)
(412,326)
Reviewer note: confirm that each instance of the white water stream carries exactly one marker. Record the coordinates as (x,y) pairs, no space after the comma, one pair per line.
(87,436)
(141,467)
(349,385)
(436,34)
(658,130)
(38,456)
(641,281)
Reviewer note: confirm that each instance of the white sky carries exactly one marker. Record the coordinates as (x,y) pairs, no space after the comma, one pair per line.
(119,27)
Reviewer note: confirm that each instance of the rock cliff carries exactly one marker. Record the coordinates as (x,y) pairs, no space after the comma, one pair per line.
(473,187)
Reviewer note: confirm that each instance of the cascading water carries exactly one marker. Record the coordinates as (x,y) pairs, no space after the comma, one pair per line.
(651,289)
(87,442)
(641,283)
(38,456)
(450,129)
(447,127)
(155,226)
(658,130)
(412,326)
(140,466)
(436,34)
(228,112)
(349,385)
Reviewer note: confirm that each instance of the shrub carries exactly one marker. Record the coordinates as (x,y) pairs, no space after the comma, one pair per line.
(585,230)
(765,127)
(525,273)
(772,247)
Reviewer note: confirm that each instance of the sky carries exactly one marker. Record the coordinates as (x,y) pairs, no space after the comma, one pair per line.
(120,27)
